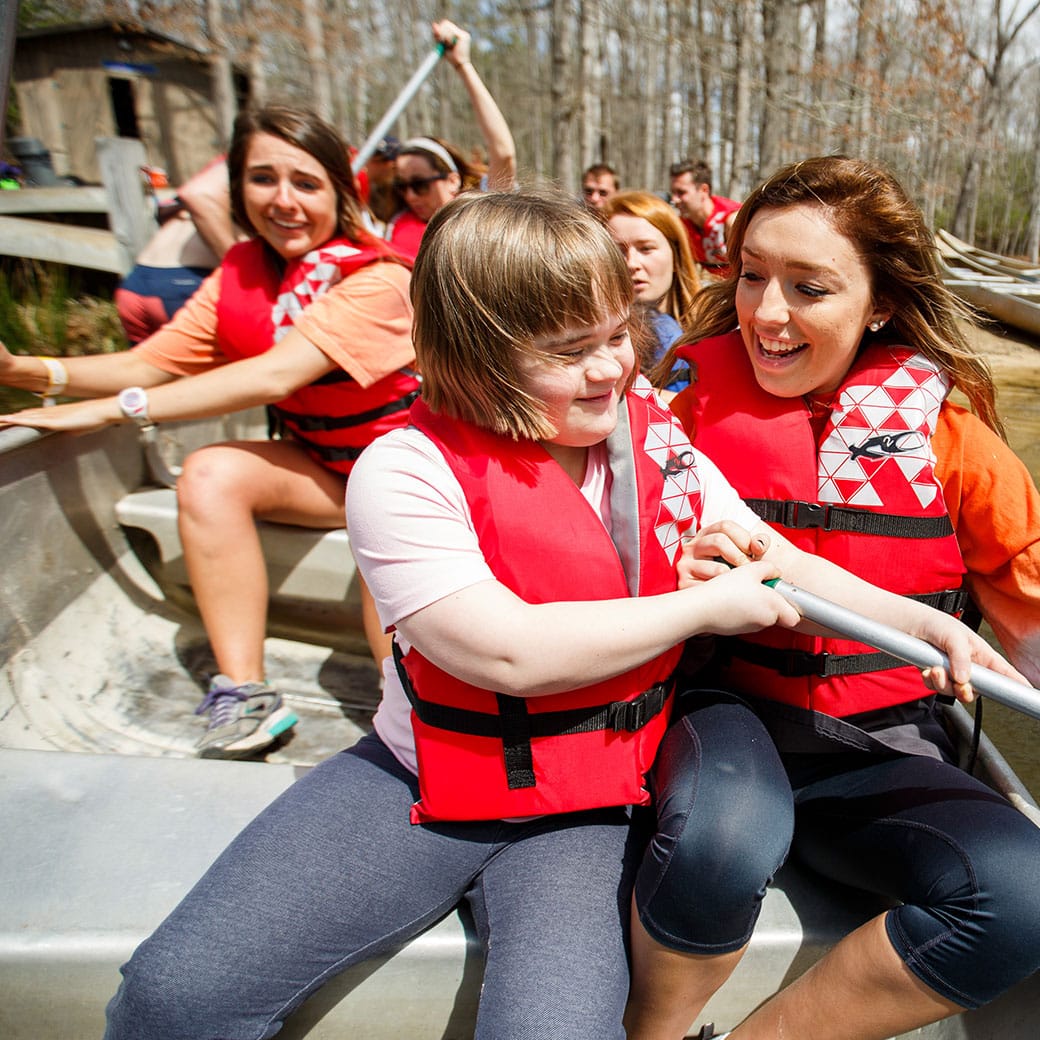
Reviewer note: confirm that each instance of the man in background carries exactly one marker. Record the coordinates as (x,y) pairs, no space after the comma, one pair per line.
(598,183)
(707,217)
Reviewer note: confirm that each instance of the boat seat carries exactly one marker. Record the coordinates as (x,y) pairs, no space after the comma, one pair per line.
(302,562)
(97,849)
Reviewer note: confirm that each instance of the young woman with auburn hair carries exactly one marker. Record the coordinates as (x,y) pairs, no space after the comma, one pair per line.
(665,279)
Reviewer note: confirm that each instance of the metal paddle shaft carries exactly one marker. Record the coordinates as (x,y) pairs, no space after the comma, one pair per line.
(396,108)
(907,648)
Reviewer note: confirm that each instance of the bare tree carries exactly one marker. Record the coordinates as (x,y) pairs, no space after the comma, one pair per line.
(1033,228)
(991,59)
(314,37)
(221,66)
(564,105)
(741,167)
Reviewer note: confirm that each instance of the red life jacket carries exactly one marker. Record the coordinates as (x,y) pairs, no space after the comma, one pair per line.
(333,417)
(708,244)
(865,497)
(485,755)
(405,231)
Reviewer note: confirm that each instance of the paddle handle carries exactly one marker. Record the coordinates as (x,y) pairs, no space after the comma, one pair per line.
(907,648)
(408,91)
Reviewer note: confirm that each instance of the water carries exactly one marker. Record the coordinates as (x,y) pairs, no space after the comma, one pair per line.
(1016,370)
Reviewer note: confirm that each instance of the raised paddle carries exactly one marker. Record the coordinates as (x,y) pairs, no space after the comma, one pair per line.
(408,91)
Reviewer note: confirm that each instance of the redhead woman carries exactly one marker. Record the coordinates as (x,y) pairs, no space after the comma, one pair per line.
(430,172)
(664,277)
(311,315)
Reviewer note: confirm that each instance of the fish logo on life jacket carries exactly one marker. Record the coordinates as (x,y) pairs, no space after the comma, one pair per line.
(888,444)
(675,464)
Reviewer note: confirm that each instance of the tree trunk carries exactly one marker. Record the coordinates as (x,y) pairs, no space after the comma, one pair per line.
(562,93)
(860,94)
(221,70)
(1033,227)
(593,137)
(742,171)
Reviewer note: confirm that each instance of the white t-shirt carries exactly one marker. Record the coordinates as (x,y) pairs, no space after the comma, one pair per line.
(414,541)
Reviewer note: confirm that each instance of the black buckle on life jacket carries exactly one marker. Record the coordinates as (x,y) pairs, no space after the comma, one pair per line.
(632,716)
(795,664)
(803,515)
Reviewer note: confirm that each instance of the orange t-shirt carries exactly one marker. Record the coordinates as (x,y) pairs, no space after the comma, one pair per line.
(363,324)
(995,509)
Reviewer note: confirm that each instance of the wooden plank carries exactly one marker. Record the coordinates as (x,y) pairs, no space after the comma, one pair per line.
(54,200)
(131,214)
(92,248)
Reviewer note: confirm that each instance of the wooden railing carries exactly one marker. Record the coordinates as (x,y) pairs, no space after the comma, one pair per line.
(123,198)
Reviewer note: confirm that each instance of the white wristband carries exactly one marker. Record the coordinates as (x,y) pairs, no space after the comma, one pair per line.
(57,376)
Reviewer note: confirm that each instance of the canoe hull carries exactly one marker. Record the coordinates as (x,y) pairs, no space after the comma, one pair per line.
(108,819)
(1004,288)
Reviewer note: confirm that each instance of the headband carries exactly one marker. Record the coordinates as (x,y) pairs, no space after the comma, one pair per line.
(427,144)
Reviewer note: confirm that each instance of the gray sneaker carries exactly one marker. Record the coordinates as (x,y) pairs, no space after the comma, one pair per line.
(243,718)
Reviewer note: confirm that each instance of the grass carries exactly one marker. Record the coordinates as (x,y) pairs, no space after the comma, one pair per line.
(47,309)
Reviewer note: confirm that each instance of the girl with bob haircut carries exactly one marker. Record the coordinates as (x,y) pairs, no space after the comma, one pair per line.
(824,364)
(656,249)
(529,560)
(311,316)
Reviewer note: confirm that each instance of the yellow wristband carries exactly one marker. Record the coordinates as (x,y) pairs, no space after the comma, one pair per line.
(57,376)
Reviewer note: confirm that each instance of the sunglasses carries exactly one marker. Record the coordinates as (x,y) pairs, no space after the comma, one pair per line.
(418,185)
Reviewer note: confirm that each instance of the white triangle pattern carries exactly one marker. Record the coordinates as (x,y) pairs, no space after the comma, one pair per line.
(680,497)
(309,277)
(842,478)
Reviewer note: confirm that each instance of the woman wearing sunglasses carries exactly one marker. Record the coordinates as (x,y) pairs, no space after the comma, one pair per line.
(429,172)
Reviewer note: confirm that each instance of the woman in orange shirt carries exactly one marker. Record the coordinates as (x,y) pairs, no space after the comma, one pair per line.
(822,367)
(310,315)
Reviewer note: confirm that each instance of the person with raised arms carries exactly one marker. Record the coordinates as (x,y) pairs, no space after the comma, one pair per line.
(429,172)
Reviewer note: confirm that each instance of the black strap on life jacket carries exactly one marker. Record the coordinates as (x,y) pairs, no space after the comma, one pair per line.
(800,516)
(794,664)
(309,423)
(515,726)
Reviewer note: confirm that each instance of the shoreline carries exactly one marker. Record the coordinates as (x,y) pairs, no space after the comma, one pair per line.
(1014,360)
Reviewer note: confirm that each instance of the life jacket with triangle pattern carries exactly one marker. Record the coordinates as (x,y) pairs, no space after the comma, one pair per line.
(334,417)
(487,755)
(865,496)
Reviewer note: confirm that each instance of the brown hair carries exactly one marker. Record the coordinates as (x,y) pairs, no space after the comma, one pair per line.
(470,173)
(699,171)
(866,204)
(496,271)
(305,130)
(602,169)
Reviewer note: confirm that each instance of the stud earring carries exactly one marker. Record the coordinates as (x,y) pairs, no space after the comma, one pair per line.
(876,326)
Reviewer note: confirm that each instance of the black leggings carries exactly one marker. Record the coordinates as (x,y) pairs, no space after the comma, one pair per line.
(961,862)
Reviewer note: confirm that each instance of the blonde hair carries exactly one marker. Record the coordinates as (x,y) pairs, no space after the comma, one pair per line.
(494,273)
(868,206)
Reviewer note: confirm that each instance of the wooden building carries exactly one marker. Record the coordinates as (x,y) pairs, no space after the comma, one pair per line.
(75,83)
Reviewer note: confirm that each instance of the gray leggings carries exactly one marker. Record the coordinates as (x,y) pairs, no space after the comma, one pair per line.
(333,873)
